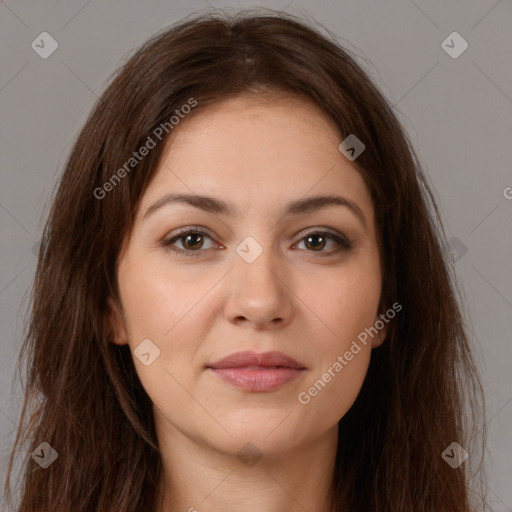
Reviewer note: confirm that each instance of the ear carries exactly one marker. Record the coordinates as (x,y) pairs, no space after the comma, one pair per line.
(118,333)
(381,324)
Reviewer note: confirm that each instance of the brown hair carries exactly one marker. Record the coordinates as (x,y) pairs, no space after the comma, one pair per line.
(82,393)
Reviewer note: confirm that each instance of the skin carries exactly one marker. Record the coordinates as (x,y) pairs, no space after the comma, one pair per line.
(258,154)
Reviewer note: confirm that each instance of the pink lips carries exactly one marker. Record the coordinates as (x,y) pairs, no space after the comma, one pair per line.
(250,371)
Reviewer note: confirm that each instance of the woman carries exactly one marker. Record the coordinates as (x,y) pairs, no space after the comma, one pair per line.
(242,300)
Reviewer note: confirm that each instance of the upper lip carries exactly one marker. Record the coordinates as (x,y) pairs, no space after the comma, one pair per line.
(266,359)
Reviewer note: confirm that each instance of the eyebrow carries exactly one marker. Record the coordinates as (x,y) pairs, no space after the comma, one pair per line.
(219,207)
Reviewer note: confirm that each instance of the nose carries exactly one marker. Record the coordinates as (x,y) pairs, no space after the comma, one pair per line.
(259,294)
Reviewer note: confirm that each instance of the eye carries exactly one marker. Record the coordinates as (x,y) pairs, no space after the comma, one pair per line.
(316,241)
(192,241)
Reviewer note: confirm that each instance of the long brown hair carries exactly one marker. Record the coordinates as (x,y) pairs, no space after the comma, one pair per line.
(82,394)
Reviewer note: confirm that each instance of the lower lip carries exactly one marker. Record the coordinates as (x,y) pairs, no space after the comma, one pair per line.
(257,379)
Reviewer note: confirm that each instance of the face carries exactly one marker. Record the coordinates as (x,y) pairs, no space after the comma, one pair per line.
(257,268)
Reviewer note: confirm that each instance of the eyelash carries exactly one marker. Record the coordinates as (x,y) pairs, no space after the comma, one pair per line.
(344,244)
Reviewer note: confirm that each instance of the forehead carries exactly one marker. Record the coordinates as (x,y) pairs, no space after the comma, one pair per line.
(252,148)
(260,127)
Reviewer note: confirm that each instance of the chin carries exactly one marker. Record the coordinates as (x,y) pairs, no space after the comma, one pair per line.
(268,434)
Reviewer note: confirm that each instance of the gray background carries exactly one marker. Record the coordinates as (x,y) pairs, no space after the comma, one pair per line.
(458,113)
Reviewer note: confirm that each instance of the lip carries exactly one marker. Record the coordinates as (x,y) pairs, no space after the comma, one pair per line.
(254,372)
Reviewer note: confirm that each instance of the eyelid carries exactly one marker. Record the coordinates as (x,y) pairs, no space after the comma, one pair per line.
(189,229)
(321,230)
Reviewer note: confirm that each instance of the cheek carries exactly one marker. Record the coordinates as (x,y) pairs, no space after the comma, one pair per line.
(347,306)
(171,310)
(332,393)
(156,303)
(345,302)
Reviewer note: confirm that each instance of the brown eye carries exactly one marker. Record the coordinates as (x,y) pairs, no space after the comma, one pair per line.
(315,242)
(193,241)
(190,242)
(319,240)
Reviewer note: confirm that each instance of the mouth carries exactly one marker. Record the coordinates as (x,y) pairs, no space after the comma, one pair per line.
(254,372)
